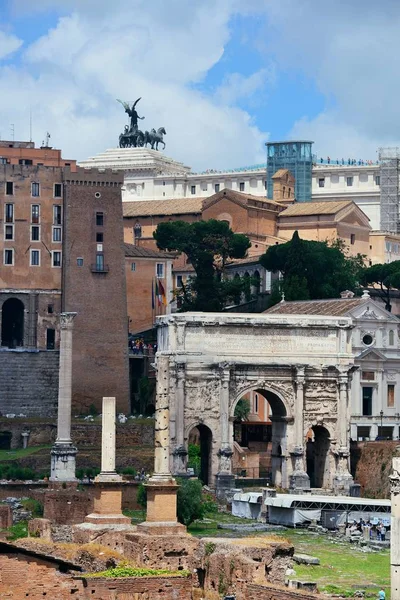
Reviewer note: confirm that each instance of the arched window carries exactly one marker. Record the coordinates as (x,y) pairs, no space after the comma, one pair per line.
(391,337)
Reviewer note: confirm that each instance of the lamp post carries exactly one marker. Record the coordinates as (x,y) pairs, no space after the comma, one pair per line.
(381,415)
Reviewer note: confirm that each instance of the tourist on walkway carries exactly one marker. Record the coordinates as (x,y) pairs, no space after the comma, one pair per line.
(381,595)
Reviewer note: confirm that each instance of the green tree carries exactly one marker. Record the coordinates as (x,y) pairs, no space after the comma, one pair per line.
(314,270)
(190,503)
(208,245)
(242,409)
(386,277)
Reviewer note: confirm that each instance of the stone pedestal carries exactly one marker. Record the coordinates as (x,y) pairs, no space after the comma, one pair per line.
(395,529)
(63,459)
(107,505)
(343,479)
(299,480)
(224,483)
(161,516)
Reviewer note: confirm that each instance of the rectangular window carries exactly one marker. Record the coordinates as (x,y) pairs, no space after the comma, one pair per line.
(321,182)
(35,213)
(35,233)
(179,281)
(99,262)
(35,190)
(25,161)
(3,161)
(9,213)
(241,186)
(79,262)
(349,181)
(99,237)
(57,215)
(9,188)
(99,219)
(265,185)
(352,238)
(58,190)
(133,266)
(390,395)
(256,403)
(35,258)
(377,180)
(56,234)
(50,339)
(193,189)
(160,270)
(368,375)
(56,258)
(50,309)
(9,256)
(216,188)
(9,232)
(367,401)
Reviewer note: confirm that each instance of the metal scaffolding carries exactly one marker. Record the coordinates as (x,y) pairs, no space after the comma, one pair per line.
(389,183)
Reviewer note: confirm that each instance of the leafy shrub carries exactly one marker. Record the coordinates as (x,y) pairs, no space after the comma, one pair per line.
(14,471)
(209,548)
(242,410)
(190,505)
(128,471)
(194,458)
(93,410)
(125,571)
(17,531)
(34,506)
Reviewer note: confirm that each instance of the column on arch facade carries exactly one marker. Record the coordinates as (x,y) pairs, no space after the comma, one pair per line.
(224,478)
(179,453)
(299,478)
(343,479)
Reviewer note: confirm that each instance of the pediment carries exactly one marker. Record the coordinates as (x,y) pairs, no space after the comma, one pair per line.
(372,354)
(220,196)
(372,311)
(353,216)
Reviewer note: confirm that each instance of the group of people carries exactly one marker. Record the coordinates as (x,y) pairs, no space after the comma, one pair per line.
(377,530)
(139,346)
(350,161)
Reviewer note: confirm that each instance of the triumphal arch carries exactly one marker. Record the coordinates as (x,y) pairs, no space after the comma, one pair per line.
(302,364)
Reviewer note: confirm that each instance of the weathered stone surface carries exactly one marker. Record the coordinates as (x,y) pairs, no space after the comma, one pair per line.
(305,559)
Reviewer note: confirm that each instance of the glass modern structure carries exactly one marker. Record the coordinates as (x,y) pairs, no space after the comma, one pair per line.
(295,156)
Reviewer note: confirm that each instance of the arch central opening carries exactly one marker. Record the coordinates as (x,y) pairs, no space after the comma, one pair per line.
(317,454)
(260,436)
(200,441)
(12,323)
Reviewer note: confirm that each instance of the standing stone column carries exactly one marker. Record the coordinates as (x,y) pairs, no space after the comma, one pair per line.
(63,452)
(395,529)
(343,480)
(224,478)
(108,440)
(299,478)
(180,452)
(107,510)
(161,517)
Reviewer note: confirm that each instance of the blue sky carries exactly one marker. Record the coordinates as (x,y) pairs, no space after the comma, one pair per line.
(222,76)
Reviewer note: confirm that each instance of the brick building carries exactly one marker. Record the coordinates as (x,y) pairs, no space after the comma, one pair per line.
(49,214)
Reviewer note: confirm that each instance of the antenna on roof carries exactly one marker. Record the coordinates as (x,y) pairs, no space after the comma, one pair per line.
(12,127)
(30,123)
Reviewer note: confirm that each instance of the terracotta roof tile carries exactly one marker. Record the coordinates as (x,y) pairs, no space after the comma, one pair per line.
(303,209)
(332,308)
(152,208)
(133,251)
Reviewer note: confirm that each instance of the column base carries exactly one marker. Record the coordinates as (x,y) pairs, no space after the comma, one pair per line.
(107,508)
(63,458)
(299,480)
(104,519)
(342,483)
(224,483)
(161,528)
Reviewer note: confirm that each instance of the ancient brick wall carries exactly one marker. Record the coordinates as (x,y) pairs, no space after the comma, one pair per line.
(25,577)
(98,295)
(67,507)
(143,588)
(29,383)
(266,592)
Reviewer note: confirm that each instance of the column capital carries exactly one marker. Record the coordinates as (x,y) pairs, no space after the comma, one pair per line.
(67,320)
(180,370)
(395,478)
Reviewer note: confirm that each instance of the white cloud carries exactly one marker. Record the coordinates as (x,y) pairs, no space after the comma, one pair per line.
(8,44)
(100,51)
(236,86)
(351,51)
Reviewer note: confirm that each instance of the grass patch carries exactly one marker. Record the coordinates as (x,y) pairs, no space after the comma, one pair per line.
(8,455)
(18,531)
(208,526)
(344,568)
(125,571)
(136,516)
